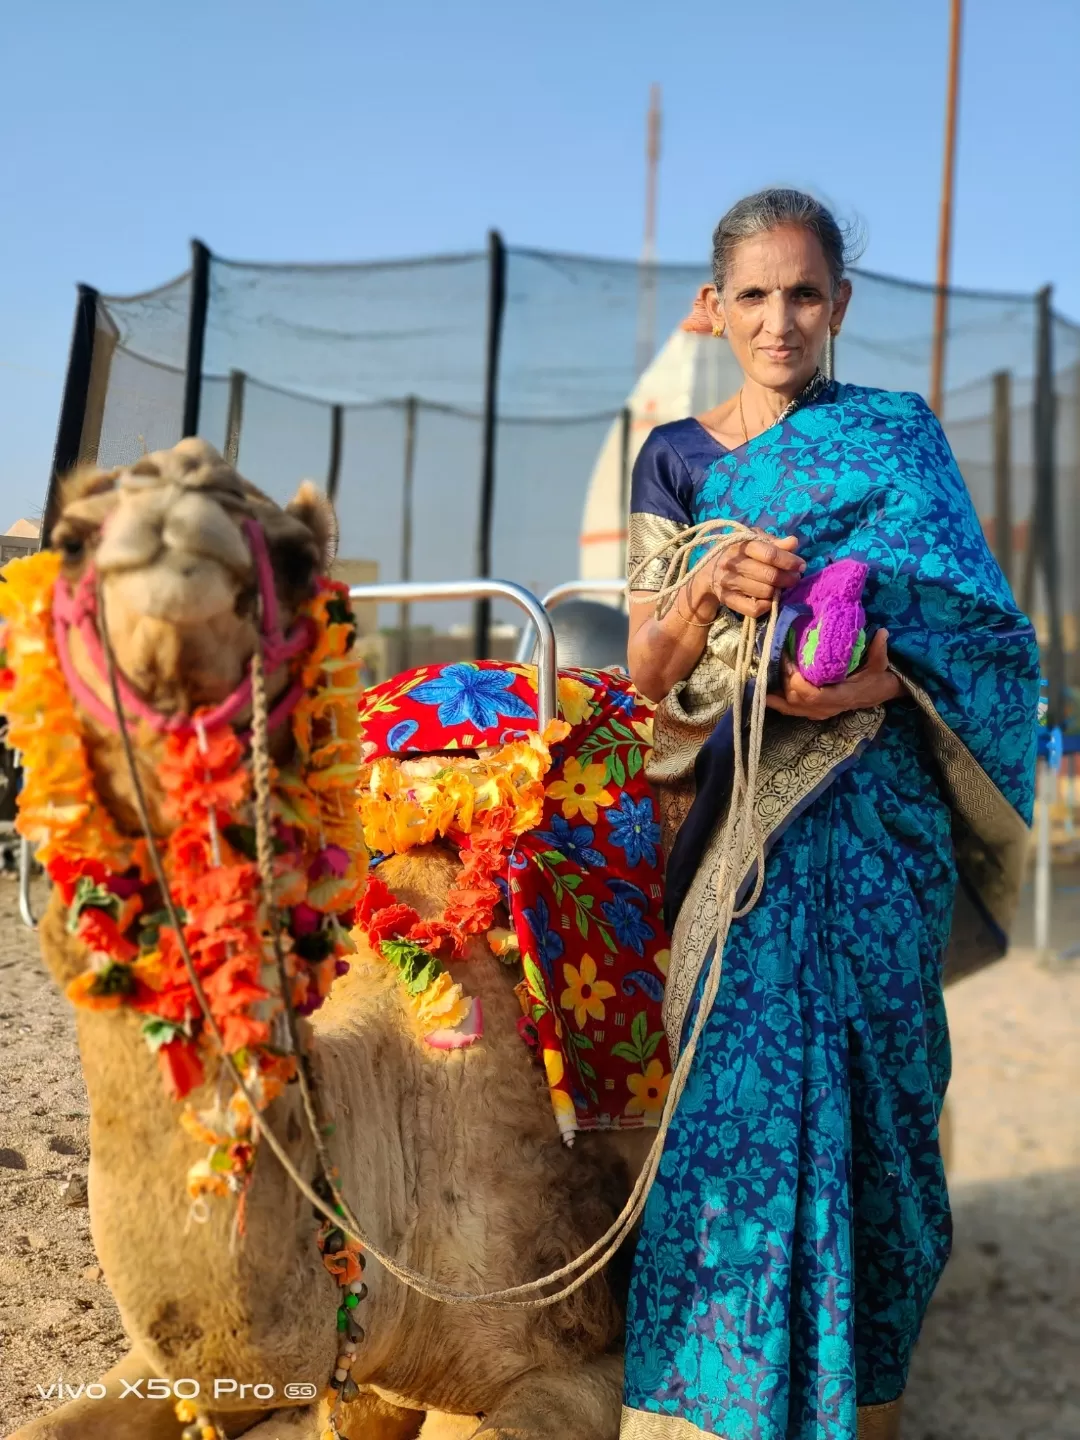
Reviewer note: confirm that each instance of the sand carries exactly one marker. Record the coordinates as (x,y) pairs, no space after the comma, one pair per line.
(999,1355)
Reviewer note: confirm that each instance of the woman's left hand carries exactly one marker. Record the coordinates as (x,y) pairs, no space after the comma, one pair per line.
(872,684)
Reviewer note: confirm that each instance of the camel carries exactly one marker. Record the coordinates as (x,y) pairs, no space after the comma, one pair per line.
(451,1158)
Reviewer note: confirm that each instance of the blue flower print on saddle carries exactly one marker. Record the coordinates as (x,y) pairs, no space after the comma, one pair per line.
(467,695)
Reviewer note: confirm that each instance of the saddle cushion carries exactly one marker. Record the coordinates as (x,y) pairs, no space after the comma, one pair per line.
(583,887)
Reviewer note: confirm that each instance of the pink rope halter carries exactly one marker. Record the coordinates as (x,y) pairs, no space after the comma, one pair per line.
(76,608)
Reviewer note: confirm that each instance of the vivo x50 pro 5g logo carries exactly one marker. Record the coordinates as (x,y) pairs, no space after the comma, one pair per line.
(156,1387)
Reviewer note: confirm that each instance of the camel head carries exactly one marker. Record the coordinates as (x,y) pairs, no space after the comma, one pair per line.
(169,542)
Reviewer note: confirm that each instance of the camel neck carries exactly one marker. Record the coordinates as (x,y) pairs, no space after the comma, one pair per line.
(177,1279)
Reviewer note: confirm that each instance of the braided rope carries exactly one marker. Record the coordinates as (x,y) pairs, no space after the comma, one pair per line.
(739,826)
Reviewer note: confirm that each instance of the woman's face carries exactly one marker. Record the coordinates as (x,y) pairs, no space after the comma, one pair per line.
(777,307)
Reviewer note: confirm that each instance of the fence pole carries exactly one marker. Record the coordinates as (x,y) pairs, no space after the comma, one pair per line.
(828,367)
(333,464)
(626,428)
(196,340)
(948,175)
(1046,498)
(73,405)
(404,609)
(1003,521)
(234,420)
(496,308)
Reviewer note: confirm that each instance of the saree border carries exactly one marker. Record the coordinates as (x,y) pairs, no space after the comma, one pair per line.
(990,836)
(874,1422)
(799,760)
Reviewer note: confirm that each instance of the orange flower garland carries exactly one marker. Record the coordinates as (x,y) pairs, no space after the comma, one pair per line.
(482,804)
(104,880)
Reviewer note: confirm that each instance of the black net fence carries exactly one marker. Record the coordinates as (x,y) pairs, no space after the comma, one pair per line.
(482,411)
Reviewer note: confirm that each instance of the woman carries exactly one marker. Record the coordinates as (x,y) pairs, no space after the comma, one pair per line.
(800,1222)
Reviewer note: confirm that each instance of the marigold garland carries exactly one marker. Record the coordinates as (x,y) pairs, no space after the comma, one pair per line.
(135,958)
(482,803)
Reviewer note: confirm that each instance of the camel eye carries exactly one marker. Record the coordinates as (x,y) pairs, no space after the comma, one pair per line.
(296,565)
(72,545)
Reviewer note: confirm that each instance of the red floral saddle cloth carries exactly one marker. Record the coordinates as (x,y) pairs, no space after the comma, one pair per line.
(583,887)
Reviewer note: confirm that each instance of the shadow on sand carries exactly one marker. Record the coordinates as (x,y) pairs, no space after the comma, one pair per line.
(998,1355)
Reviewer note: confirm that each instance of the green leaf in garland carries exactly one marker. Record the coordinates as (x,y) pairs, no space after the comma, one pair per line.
(115,979)
(157,1032)
(420,979)
(150,926)
(416,966)
(87,896)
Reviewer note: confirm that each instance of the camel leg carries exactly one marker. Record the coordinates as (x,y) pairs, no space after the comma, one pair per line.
(112,1418)
(120,1416)
(288,1425)
(582,1402)
(438,1426)
(370,1417)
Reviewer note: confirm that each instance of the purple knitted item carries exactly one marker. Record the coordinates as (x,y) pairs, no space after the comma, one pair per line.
(828,640)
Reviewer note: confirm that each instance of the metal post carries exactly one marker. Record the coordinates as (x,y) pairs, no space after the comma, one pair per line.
(1003,521)
(625,433)
(26,867)
(235,418)
(547,696)
(196,340)
(646,336)
(1046,502)
(496,308)
(333,467)
(404,622)
(1049,768)
(73,405)
(569,590)
(941,297)
(828,358)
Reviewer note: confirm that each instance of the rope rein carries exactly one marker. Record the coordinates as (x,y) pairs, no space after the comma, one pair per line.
(740,828)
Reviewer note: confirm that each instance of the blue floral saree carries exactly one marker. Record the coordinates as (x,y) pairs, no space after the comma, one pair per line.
(800,1220)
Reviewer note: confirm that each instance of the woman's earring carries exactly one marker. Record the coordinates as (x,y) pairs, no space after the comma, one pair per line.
(718,331)
(834,330)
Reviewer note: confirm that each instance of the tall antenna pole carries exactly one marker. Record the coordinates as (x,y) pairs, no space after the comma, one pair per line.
(941,298)
(646,340)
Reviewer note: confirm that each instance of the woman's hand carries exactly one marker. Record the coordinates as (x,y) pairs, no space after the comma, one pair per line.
(872,684)
(748,577)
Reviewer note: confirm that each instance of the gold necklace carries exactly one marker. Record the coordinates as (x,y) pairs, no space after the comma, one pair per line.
(742,420)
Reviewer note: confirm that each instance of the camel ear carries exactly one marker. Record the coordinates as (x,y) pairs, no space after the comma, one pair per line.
(311,507)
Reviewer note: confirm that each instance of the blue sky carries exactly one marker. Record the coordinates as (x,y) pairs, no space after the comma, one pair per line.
(336,130)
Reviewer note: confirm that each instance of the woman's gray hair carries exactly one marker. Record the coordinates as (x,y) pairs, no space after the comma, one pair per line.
(771,210)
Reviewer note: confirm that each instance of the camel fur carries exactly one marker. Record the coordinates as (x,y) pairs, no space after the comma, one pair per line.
(452,1159)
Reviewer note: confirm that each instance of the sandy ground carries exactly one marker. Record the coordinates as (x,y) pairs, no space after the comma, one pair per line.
(998,1359)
